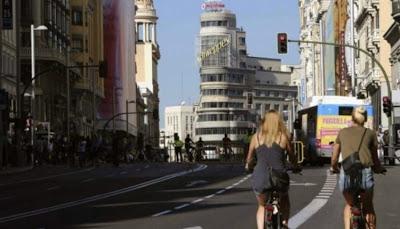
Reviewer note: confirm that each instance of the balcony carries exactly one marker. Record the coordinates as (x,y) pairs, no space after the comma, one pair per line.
(396,10)
(48,54)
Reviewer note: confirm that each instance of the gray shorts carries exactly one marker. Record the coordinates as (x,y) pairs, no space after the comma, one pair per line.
(367,182)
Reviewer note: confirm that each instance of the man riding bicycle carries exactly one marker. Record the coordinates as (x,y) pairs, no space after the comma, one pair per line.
(347,142)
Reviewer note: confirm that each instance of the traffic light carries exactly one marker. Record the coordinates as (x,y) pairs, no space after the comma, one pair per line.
(282,43)
(387,106)
(103,69)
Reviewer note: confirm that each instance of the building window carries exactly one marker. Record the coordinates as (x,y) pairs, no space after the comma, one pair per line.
(77,44)
(242,40)
(276,107)
(151,32)
(77,17)
(140,32)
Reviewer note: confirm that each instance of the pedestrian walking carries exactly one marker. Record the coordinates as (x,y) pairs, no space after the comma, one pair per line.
(227,145)
(189,147)
(82,151)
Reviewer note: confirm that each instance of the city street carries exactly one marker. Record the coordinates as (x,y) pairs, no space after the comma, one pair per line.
(173,195)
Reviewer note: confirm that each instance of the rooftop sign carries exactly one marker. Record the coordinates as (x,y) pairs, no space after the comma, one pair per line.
(213,5)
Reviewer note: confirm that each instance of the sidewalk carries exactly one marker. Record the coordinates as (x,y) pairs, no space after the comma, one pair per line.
(13,170)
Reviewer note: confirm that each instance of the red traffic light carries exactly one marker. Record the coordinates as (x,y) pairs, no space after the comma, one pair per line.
(385,99)
(282,43)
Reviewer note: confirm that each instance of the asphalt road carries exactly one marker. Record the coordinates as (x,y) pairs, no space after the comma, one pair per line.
(174,196)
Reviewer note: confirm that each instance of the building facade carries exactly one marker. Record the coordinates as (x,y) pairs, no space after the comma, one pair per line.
(87,50)
(147,57)
(373,19)
(235,88)
(51,46)
(7,80)
(119,83)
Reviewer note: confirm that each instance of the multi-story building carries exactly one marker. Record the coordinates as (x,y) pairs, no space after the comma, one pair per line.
(392,36)
(180,120)
(7,76)
(87,50)
(372,20)
(235,88)
(147,56)
(51,59)
(119,83)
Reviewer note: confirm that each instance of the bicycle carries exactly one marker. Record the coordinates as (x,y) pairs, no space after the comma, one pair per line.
(357,217)
(273,215)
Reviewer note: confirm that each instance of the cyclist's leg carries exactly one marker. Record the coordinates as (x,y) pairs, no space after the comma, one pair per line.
(285,207)
(347,209)
(261,200)
(368,208)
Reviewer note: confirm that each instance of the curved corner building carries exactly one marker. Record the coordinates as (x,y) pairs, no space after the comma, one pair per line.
(225,81)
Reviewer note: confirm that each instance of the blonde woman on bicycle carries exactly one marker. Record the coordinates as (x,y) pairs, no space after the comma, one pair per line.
(347,142)
(269,144)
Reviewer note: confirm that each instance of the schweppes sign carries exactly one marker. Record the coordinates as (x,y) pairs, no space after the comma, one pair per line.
(215,49)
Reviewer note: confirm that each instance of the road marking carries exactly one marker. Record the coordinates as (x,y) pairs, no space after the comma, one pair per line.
(48,177)
(196,227)
(303,184)
(111,175)
(137,169)
(162,213)
(123,172)
(98,196)
(194,183)
(201,199)
(210,196)
(315,205)
(87,180)
(147,166)
(53,188)
(181,206)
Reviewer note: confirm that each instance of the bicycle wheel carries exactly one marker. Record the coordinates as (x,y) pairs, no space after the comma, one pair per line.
(268,217)
(356,220)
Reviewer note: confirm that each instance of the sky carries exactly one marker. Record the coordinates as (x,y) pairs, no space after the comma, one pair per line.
(178,27)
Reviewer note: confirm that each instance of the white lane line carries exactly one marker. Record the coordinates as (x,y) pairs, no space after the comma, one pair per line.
(123,172)
(181,206)
(201,199)
(210,196)
(53,188)
(98,197)
(87,180)
(147,166)
(196,227)
(315,205)
(111,175)
(162,213)
(48,177)
(137,169)
(196,201)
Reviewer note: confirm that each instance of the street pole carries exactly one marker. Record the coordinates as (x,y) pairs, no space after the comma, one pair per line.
(93,105)
(68,96)
(33,83)
(127,117)
(113,108)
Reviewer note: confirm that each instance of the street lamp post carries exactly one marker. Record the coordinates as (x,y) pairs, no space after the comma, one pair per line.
(113,105)
(33,29)
(127,115)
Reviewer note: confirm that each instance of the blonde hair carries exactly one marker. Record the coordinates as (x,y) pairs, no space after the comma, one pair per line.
(272,126)
(359,115)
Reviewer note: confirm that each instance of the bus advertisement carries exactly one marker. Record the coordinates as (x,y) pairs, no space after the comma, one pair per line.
(321,123)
